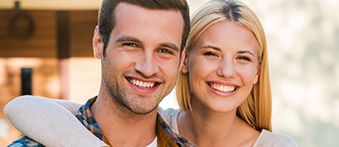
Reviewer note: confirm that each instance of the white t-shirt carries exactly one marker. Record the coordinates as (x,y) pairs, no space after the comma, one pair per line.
(154,143)
(265,139)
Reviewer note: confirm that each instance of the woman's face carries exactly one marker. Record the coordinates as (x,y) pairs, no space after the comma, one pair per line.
(222,66)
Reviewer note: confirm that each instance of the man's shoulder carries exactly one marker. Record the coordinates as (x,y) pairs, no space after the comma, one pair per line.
(25,142)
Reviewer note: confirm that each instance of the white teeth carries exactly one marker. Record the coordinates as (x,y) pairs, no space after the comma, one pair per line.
(142,84)
(223,88)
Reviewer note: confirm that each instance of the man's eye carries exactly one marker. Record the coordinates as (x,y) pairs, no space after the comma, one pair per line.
(130,44)
(244,58)
(210,54)
(165,51)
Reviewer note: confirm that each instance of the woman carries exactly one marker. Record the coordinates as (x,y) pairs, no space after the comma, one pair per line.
(223,89)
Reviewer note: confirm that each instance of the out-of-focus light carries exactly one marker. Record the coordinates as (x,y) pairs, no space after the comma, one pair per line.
(2,71)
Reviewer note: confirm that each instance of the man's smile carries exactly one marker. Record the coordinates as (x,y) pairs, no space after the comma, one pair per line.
(141,83)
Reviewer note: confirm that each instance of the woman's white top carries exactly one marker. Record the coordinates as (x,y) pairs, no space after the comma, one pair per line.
(265,139)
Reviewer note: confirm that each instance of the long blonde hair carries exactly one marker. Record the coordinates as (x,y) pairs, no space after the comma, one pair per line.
(256,109)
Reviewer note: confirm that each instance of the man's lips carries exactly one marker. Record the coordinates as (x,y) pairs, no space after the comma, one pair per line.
(142,83)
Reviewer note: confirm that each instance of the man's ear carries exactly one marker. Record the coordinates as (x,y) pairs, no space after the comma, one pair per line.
(183,62)
(97,43)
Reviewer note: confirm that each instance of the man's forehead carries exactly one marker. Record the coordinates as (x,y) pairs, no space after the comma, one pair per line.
(123,9)
(133,20)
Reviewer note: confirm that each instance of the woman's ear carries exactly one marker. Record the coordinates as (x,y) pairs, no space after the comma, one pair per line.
(183,60)
(257,73)
(97,44)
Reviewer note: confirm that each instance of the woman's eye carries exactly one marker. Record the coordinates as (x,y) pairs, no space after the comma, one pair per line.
(210,54)
(244,58)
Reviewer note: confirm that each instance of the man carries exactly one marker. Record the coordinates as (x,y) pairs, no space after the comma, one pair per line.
(139,43)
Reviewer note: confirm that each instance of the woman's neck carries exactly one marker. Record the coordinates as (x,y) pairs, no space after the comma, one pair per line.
(205,127)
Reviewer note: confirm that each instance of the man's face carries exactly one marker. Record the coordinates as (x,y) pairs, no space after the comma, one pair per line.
(142,56)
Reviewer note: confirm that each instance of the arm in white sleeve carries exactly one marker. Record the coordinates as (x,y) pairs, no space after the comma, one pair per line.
(50,122)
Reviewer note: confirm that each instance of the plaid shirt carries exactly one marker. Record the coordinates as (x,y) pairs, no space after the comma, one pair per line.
(166,137)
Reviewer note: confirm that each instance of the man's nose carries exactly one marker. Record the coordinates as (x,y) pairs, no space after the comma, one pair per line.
(146,65)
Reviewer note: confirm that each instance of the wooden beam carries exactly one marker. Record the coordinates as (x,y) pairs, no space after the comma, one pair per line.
(63,46)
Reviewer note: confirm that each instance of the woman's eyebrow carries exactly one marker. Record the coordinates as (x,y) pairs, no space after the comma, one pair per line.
(210,46)
(245,51)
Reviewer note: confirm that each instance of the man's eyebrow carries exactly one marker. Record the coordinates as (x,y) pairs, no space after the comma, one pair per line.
(245,51)
(127,38)
(170,45)
(210,46)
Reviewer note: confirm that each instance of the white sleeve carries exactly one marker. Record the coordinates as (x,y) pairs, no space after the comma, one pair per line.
(163,114)
(50,122)
(170,115)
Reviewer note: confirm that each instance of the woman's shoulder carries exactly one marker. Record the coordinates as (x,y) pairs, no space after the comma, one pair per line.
(169,112)
(170,115)
(269,139)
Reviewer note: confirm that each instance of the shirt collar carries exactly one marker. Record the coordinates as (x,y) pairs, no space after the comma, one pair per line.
(85,116)
(164,132)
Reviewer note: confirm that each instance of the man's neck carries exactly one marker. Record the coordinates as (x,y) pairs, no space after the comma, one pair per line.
(122,127)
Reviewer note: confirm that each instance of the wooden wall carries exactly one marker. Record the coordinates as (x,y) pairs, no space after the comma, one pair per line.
(40,52)
(42,44)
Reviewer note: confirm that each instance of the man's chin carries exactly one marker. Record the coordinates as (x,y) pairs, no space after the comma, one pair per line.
(142,111)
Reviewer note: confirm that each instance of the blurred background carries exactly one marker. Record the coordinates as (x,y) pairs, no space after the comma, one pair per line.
(48,43)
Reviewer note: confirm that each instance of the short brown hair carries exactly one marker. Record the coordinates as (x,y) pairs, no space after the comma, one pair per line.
(107,18)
